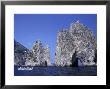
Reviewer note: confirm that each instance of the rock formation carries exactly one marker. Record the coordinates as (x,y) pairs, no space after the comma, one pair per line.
(38,56)
(20,53)
(75,44)
(47,55)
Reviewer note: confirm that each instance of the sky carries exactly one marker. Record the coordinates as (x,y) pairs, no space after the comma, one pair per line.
(29,28)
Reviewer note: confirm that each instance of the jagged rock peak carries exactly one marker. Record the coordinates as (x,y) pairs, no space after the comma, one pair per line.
(77,25)
(77,21)
(38,41)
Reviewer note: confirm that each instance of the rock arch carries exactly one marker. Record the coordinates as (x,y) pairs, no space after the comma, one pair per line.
(74,60)
(78,38)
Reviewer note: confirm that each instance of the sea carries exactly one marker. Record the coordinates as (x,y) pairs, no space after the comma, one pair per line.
(55,71)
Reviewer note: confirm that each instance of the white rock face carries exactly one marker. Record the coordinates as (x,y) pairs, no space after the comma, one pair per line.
(39,55)
(47,55)
(78,38)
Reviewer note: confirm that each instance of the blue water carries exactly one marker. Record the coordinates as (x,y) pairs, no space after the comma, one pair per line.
(57,71)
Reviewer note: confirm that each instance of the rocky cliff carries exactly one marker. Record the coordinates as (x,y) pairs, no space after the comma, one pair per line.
(76,45)
(37,56)
(20,53)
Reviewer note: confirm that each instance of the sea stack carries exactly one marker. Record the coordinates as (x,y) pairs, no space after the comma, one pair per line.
(76,46)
